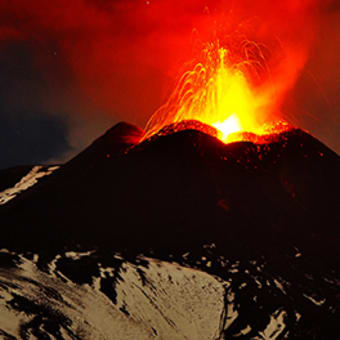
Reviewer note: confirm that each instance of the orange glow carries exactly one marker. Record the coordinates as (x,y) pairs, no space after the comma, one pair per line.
(218,93)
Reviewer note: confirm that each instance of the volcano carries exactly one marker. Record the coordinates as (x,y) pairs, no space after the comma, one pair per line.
(176,236)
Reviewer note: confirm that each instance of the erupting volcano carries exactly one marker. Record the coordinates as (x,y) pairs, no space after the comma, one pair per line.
(220,220)
(219,92)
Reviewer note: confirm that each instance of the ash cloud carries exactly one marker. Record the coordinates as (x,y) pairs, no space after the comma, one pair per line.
(92,63)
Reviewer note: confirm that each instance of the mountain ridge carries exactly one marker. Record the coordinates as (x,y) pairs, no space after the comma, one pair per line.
(196,171)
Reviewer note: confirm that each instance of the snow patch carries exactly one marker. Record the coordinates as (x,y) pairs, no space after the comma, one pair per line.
(275,327)
(26,182)
(244,331)
(232,313)
(316,302)
(174,309)
(78,255)
(279,285)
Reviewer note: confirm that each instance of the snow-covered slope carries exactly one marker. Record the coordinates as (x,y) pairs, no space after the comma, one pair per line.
(27,181)
(90,296)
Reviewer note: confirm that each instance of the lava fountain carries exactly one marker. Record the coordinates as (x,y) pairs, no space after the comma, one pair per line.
(219,92)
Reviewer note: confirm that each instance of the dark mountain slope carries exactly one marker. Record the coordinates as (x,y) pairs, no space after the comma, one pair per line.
(241,241)
(181,190)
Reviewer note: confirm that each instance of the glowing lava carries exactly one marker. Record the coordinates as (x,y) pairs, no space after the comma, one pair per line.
(217,93)
(229,126)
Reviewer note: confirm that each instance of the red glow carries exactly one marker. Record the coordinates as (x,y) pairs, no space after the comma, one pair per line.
(217,92)
(122,57)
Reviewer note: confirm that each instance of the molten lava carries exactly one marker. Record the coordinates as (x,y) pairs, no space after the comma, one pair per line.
(217,93)
(231,125)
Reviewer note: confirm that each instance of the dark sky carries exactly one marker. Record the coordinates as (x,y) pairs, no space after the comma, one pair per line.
(69,70)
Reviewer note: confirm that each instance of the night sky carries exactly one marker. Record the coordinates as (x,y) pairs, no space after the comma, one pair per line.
(69,70)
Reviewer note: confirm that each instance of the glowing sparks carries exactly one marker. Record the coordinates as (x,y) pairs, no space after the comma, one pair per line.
(217,93)
(229,97)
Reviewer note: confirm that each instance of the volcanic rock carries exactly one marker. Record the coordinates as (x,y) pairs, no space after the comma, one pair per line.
(177,236)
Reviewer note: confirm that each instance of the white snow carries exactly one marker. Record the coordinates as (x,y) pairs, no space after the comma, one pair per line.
(232,313)
(176,303)
(315,301)
(78,255)
(244,331)
(160,300)
(279,285)
(275,327)
(180,303)
(26,182)
(298,316)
